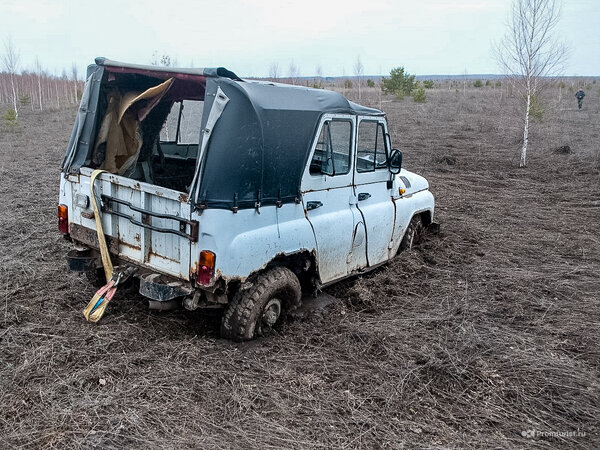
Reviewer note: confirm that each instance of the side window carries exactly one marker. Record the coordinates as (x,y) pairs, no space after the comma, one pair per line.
(371,153)
(332,153)
(187,118)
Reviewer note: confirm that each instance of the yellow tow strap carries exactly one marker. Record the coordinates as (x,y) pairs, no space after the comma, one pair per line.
(96,307)
(106,262)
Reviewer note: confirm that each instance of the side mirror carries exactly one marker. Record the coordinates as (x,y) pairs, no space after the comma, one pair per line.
(395,161)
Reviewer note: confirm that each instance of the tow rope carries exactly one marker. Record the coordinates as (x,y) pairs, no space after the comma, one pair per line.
(94,311)
(106,262)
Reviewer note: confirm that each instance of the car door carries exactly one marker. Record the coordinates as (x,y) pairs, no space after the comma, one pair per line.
(371,187)
(329,200)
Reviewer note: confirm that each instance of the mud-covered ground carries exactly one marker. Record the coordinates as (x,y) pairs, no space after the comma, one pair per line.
(483,332)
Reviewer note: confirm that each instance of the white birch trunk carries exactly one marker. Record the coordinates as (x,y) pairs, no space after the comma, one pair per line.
(57,95)
(14,95)
(40,91)
(523,162)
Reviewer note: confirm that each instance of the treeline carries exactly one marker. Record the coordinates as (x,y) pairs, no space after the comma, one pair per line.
(39,90)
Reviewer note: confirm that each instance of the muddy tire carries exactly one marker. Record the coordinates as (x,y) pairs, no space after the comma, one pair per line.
(415,227)
(261,304)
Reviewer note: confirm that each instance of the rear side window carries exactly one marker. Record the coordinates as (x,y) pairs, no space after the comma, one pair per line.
(183,128)
(370,153)
(332,153)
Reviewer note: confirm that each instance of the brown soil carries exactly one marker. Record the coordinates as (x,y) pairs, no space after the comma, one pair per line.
(482,332)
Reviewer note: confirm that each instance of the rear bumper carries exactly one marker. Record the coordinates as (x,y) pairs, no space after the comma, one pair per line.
(154,286)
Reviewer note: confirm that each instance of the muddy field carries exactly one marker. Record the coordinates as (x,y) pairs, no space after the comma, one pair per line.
(481,333)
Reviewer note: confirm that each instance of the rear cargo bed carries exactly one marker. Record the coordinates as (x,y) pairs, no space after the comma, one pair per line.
(146,224)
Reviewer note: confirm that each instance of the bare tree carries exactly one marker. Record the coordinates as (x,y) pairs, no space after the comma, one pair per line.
(274,71)
(10,61)
(163,59)
(294,72)
(529,52)
(318,81)
(358,71)
(74,75)
(38,72)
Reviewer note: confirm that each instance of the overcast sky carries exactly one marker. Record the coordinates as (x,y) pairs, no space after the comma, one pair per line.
(248,36)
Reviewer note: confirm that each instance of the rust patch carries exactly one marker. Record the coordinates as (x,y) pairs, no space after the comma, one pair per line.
(183,197)
(151,253)
(137,237)
(89,237)
(158,193)
(131,246)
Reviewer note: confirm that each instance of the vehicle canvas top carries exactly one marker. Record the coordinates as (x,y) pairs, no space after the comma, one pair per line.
(262,163)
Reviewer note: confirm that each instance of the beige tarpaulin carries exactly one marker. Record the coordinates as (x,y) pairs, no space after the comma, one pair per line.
(119,131)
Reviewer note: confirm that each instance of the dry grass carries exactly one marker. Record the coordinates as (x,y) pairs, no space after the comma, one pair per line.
(483,331)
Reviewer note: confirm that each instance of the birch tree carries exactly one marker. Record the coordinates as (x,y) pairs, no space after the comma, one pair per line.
(318,82)
(274,71)
(294,72)
(529,52)
(10,61)
(358,71)
(74,74)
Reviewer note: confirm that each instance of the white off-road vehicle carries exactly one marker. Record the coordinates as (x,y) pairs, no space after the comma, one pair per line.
(233,194)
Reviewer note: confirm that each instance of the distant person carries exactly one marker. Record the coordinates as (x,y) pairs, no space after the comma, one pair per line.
(579,95)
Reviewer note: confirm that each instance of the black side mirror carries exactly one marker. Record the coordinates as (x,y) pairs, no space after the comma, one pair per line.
(395,161)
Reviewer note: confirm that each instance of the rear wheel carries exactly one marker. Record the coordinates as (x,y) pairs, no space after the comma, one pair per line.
(260,304)
(415,227)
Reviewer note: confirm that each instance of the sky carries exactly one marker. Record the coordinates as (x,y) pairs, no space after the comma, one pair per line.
(427,37)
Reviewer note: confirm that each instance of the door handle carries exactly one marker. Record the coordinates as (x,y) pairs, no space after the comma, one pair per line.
(363,196)
(313,205)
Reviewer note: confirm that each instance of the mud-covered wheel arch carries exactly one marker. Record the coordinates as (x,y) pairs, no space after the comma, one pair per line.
(304,265)
(261,303)
(415,228)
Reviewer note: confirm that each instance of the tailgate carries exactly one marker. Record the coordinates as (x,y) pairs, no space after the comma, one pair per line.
(149,225)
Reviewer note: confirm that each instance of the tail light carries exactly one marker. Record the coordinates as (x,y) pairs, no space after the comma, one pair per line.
(63,219)
(206,267)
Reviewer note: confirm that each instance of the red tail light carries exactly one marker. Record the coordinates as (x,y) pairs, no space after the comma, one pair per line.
(63,219)
(206,267)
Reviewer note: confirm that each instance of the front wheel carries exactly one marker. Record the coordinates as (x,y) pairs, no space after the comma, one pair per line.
(415,227)
(260,304)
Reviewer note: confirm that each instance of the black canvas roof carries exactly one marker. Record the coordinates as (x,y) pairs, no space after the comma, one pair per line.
(261,143)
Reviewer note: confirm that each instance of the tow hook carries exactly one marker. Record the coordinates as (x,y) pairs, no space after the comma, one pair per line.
(191,302)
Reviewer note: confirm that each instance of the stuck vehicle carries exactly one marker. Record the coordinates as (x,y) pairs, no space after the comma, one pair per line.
(234,194)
